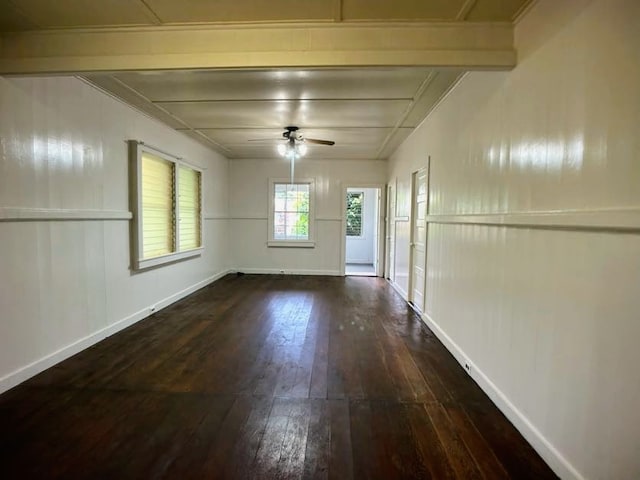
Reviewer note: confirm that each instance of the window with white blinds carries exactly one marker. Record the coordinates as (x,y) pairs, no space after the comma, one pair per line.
(166,198)
(189,208)
(158,232)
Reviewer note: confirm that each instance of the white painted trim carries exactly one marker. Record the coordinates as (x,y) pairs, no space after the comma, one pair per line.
(136,150)
(397,288)
(329,219)
(169,258)
(271,240)
(619,219)
(380,247)
(290,244)
(216,217)
(287,271)
(16,214)
(403,218)
(24,373)
(558,463)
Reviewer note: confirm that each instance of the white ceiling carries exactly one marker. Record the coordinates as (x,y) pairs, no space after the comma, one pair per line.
(17,15)
(368,112)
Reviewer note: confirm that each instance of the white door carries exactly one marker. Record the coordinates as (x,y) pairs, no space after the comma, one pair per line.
(376,233)
(418,238)
(391,224)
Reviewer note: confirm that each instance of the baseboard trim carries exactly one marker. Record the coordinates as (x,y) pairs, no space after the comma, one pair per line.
(288,271)
(556,461)
(401,292)
(24,373)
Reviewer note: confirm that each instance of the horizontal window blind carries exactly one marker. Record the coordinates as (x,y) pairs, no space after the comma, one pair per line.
(158,234)
(189,208)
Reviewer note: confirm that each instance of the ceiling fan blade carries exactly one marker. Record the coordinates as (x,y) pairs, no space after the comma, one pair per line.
(319,142)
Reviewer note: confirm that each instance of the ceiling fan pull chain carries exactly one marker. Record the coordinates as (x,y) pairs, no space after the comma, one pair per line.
(293,161)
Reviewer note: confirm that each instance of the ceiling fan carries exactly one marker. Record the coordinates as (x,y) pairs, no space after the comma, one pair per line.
(295,145)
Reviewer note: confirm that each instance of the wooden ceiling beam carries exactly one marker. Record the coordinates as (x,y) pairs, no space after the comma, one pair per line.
(472,46)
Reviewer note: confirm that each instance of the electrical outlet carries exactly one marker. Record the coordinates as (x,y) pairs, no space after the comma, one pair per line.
(282,272)
(152,308)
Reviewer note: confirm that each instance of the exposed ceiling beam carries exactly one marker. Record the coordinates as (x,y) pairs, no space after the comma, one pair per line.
(472,46)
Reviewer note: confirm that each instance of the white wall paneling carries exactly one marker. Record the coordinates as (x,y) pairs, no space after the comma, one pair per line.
(64,226)
(533,252)
(248,200)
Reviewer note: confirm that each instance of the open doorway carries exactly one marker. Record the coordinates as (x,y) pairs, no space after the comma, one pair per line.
(362,231)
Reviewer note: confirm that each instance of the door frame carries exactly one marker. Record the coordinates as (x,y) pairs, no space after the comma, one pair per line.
(412,216)
(344,186)
(389,225)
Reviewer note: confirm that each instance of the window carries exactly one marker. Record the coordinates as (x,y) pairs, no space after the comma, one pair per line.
(354,213)
(291,213)
(166,200)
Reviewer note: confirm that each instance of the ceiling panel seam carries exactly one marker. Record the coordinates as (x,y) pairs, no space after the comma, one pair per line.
(421,89)
(465,10)
(156,18)
(217,146)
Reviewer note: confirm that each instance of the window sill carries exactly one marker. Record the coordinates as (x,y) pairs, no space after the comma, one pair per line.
(170,258)
(290,244)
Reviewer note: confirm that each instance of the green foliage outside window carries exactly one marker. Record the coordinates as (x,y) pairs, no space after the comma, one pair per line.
(354,213)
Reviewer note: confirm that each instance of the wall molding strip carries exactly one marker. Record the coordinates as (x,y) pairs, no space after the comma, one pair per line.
(22,214)
(623,219)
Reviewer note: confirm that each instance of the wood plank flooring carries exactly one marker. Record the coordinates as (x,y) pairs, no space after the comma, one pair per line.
(260,377)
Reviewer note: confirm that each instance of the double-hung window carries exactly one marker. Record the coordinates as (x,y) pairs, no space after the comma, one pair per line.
(291,220)
(166,200)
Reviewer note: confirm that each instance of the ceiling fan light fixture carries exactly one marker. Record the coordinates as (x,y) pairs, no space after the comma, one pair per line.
(292,151)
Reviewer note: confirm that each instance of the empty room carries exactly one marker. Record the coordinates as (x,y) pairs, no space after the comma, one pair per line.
(319,239)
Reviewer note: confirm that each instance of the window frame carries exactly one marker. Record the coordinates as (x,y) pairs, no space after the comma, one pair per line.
(274,242)
(361,236)
(138,263)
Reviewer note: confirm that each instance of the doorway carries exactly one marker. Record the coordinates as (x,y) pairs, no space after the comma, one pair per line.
(362,231)
(419,198)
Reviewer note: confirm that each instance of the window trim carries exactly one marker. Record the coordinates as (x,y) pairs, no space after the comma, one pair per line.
(138,263)
(310,242)
(361,236)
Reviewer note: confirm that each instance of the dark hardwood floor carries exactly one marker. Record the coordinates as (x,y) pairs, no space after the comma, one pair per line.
(264,377)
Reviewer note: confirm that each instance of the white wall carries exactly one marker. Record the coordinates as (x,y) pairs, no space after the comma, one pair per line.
(548,317)
(248,200)
(65,284)
(362,249)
